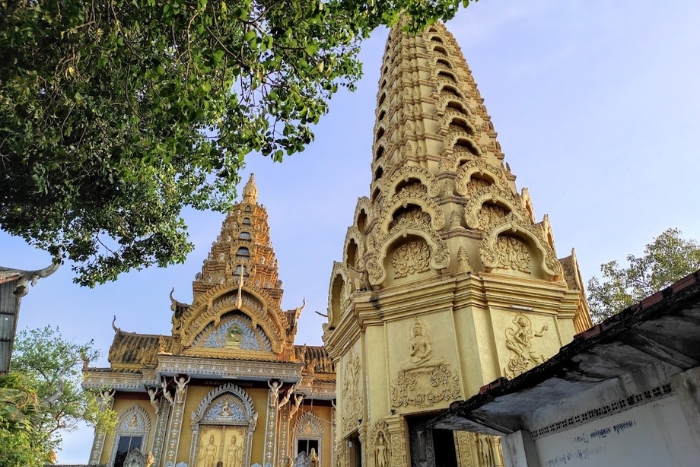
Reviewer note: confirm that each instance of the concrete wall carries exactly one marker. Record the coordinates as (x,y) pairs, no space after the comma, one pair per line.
(652,435)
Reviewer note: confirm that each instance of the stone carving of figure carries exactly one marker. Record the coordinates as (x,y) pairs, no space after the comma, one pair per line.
(295,407)
(105,399)
(226,408)
(421,351)
(380,451)
(166,392)
(313,458)
(463,260)
(519,341)
(133,422)
(180,391)
(152,393)
(209,453)
(233,337)
(274,393)
(287,396)
(233,453)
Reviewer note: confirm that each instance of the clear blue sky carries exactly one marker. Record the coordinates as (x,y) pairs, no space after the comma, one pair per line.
(597,107)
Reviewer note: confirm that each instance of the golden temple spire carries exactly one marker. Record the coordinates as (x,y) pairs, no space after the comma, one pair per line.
(441,198)
(250,191)
(243,251)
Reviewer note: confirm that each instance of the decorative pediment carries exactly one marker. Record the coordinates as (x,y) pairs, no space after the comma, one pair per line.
(414,223)
(502,247)
(481,167)
(407,172)
(415,194)
(309,426)
(226,405)
(495,195)
(222,300)
(233,331)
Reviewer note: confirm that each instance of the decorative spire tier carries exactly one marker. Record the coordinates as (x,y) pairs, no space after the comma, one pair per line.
(242,249)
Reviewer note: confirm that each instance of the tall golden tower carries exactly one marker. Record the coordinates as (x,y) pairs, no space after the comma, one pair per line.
(447,281)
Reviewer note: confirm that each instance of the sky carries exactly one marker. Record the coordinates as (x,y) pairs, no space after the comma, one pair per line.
(597,107)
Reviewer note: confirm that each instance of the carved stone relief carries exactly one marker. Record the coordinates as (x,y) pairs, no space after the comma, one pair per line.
(463,260)
(488,214)
(423,379)
(491,252)
(381,445)
(352,401)
(491,193)
(411,258)
(415,193)
(411,221)
(520,341)
(137,458)
(478,450)
(512,253)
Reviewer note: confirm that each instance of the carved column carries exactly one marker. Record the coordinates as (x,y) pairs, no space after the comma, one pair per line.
(496,451)
(397,431)
(106,402)
(161,430)
(271,425)
(284,451)
(174,430)
(364,442)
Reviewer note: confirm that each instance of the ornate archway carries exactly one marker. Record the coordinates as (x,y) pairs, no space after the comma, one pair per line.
(309,427)
(132,431)
(222,428)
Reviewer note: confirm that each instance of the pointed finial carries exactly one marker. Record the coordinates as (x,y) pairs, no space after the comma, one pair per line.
(250,191)
(116,329)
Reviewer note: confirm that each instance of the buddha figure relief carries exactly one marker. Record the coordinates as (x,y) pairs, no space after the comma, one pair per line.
(420,349)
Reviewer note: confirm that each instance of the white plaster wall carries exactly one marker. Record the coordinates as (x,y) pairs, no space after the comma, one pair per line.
(652,435)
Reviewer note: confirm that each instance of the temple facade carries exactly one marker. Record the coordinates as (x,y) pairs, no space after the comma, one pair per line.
(228,387)
(447,280)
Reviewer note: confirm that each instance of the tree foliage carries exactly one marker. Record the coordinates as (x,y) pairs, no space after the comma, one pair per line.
(115,115)
(666,259)
(44,361)
(18,401)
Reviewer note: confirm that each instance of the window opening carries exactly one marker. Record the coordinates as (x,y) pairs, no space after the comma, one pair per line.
(126,443)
